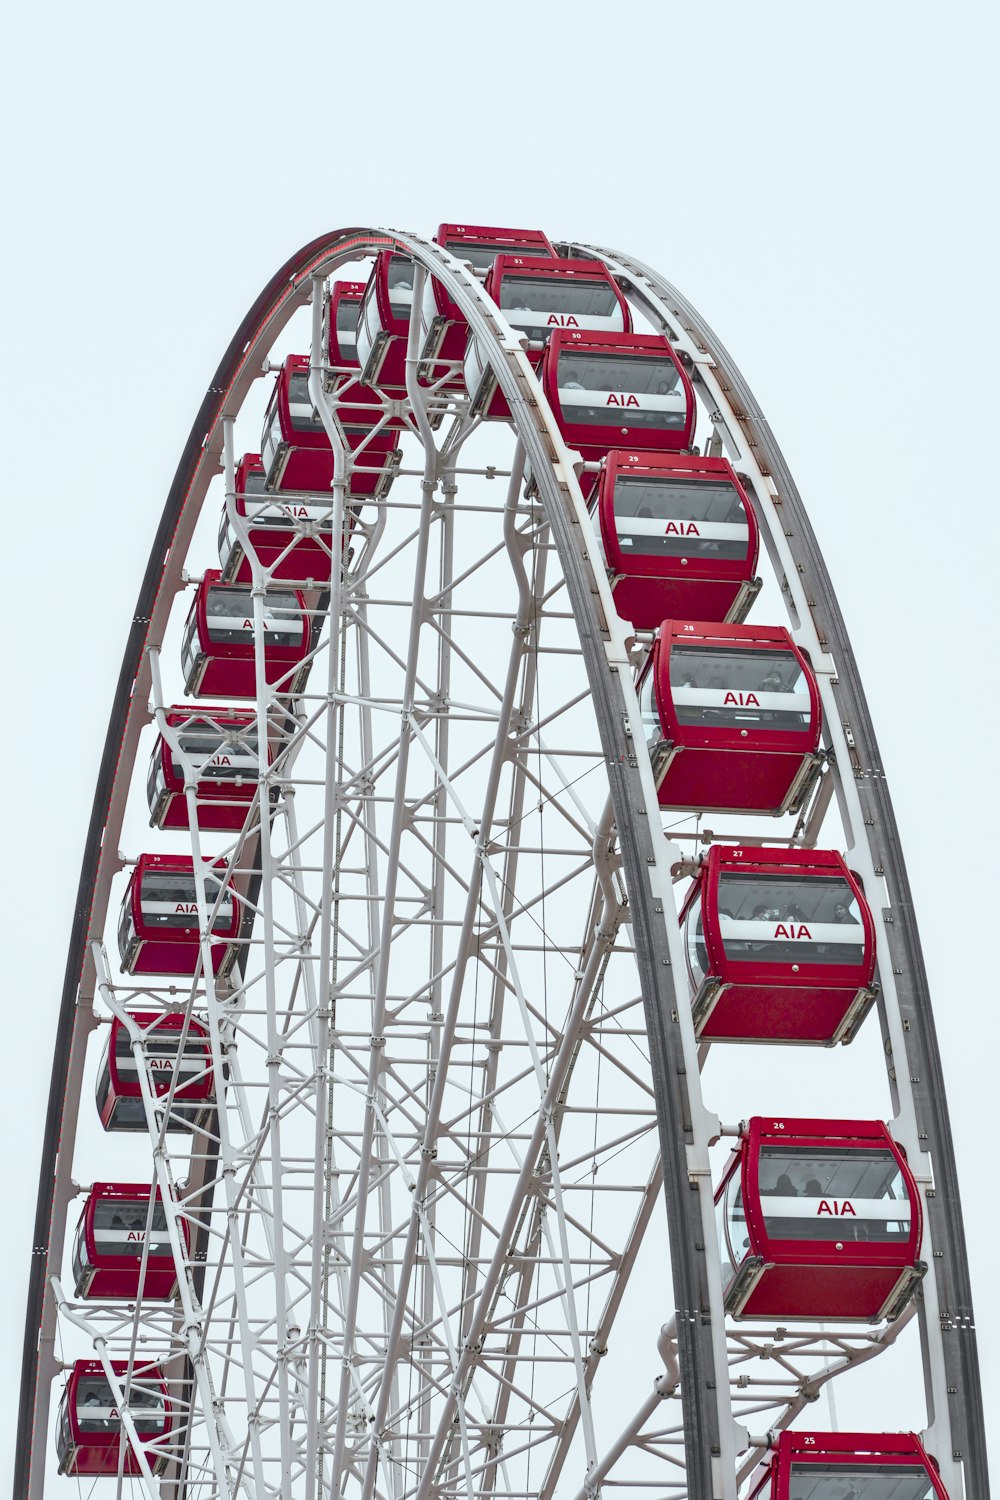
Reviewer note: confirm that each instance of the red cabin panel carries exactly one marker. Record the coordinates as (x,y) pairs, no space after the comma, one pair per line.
(780,947)
(158,926)
(119,1221)
(679,535)
(732,716)
(609,390)
(847,1466)
(89,1435)
(180,1065)
(443,329)
(217,650)
(818,1219)
(222,745)
(538,297)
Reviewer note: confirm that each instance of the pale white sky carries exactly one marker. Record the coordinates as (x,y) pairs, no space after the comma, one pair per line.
(819,180)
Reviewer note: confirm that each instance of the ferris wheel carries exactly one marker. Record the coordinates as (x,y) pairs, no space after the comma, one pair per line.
(496,1056)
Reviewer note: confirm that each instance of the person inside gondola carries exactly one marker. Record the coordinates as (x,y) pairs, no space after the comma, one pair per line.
(842,913)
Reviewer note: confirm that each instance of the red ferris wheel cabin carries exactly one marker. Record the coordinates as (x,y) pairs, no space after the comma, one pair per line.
(443,329)
(158,929)
(732,716)
(679,535)
(537,297)
(295,450)
(617,390)
(818,1219)
(221,744)
(217,649)
(90,1438)
(384,322)
(780,947)
(179,1062)
(119,1221)
(291,535)
(847,1466)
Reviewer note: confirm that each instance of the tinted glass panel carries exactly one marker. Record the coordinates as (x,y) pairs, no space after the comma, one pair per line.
(120,1228)
(697,953)
(799,919)
(870,1482)
(282,616)
(537,304)
(480,257)
(303,414)
(833,1195)
(253,484)
(400,286)
(734,1237)
(630,391)
(680,518)
(223,752)
(347,318)
(727,689)
(170,901)
(193,1073)
(97,1412)
(648,708)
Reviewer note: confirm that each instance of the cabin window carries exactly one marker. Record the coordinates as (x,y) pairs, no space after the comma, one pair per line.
(540,303)
(735,1236)
(347,323)
(218,753)
(680,518)
(155,782)
(828,1194)
(772,919)
(169,900)
(400,276)
(866,1482)
(621,390)
(81,1259)
(697,953)
(188,648)
(271,438)
(229,612)
(120,1227)
(64,1439)
(301,410)
(253,483)
(648,710)
(716,687)
(479,256)
(95,1405)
